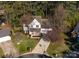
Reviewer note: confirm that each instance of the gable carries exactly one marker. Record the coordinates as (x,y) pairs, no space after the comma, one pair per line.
(35,20)
(35,23)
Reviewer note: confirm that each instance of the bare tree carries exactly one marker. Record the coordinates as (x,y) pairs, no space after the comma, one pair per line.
(26,18)
(57,23)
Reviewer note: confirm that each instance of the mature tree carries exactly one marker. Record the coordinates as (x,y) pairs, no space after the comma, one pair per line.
(57,23)
(45,8)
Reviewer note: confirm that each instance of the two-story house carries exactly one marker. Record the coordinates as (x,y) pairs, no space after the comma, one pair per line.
(36,26)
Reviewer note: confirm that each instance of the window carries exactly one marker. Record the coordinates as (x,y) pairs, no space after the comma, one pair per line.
(37,25)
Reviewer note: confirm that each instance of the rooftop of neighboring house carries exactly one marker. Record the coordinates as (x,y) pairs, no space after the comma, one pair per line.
(4,32)
(76,29)
(28,19)
(4,28)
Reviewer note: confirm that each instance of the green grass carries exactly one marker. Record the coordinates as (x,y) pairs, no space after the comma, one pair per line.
(1,53)
(55,48)
(26,43)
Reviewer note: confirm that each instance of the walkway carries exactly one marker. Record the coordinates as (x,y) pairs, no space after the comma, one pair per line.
(41,46)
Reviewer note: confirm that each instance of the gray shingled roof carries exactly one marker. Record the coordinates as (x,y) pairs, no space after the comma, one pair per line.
(4,32)
(44,22)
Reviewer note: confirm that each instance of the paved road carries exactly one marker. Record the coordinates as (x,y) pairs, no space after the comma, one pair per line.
(34,56)
(8,48)
(41,46)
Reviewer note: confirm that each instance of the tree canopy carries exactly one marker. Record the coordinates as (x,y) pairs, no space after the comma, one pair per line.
(62,15)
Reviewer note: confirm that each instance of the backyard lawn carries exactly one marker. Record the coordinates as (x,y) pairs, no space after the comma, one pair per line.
(23,43)
(55,48)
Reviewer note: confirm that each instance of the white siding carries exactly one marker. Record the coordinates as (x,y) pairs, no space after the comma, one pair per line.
(30,33)
(34,24)
(45,30)
(25,28)
(6,38)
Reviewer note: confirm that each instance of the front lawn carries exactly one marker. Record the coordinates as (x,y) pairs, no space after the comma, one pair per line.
(26,45)
(23,43)
(1,53)
(56,48)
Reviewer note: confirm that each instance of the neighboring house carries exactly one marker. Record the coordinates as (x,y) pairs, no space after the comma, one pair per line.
(4,31)
(5,35)
(36,26)
(76,32)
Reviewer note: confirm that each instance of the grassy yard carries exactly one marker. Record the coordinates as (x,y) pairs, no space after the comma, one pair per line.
(24,44)
(1,53)
(55,48)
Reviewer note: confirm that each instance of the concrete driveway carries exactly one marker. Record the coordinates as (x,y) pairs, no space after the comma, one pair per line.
(41,46)
(8,48)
